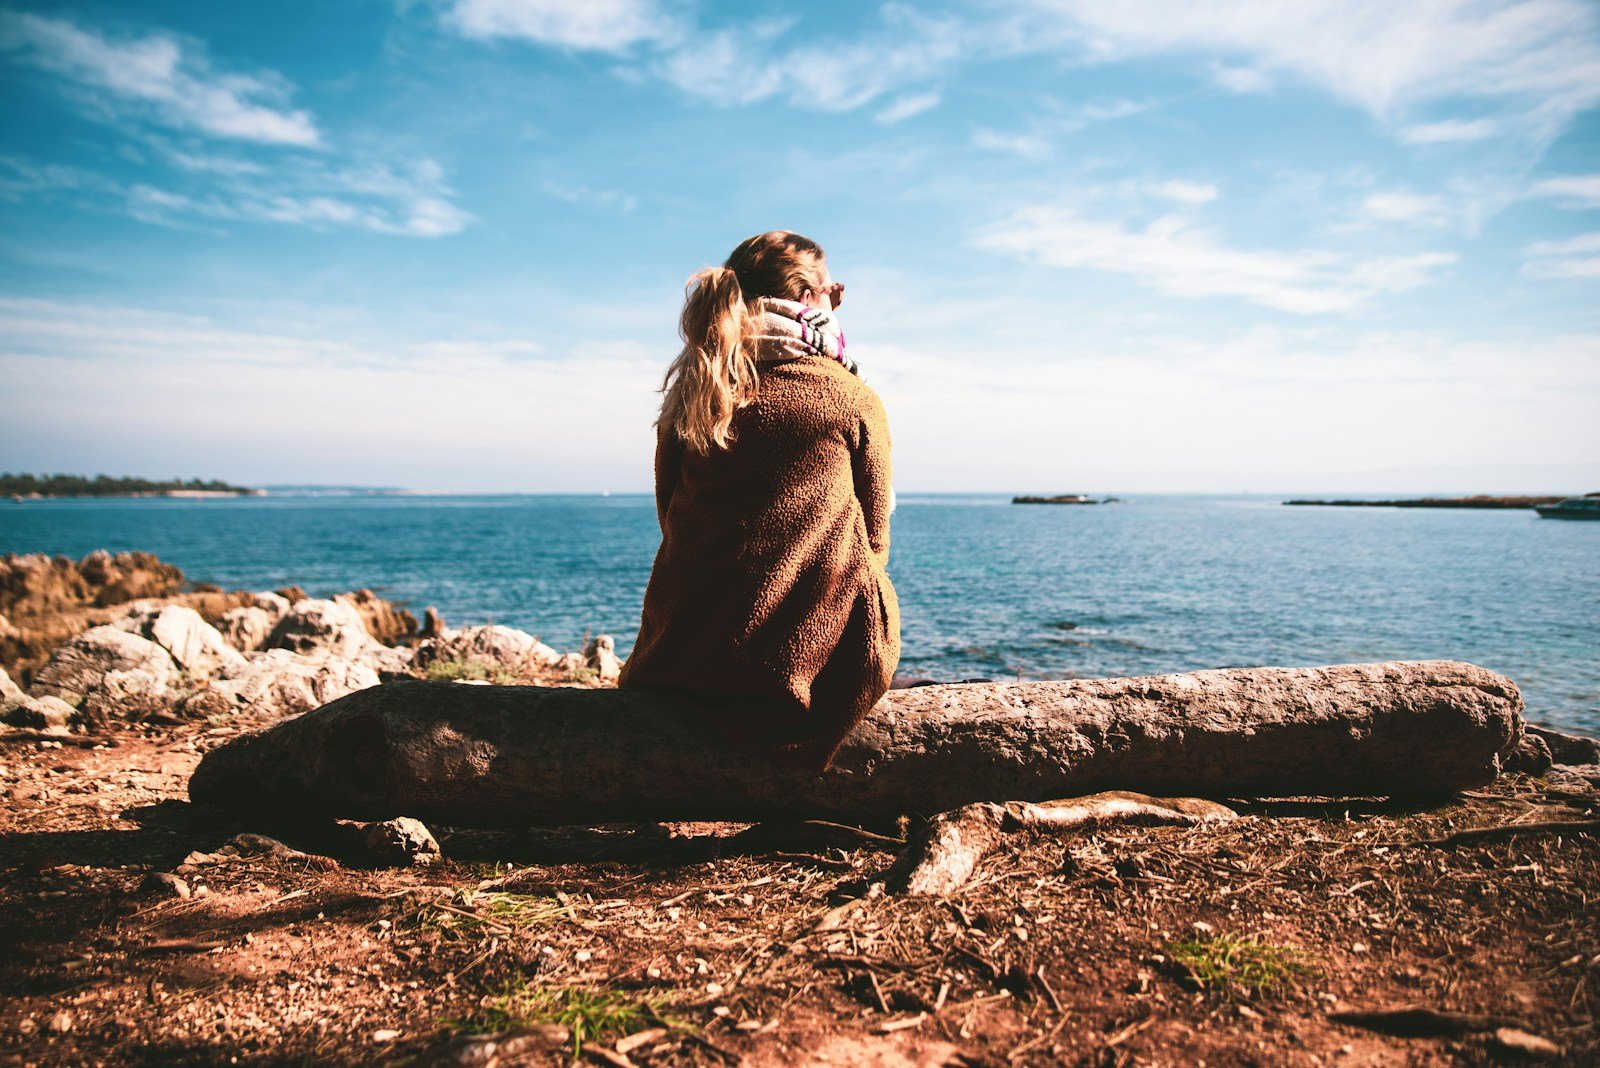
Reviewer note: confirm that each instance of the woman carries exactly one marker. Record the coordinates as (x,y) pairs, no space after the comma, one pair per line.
(768,605)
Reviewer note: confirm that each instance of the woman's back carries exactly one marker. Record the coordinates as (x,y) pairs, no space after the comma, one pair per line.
(769,586)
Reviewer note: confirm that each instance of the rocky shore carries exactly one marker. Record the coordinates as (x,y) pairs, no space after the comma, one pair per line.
(123,638)
(139,928)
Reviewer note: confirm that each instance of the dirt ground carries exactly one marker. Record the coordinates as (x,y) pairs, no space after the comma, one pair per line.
(1233,944)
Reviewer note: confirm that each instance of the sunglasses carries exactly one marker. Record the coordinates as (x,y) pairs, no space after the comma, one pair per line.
(835,293)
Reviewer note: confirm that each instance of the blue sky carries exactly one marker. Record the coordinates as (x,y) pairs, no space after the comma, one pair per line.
(1102,246)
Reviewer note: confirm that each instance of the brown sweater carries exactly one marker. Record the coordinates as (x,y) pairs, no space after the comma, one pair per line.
(768,602)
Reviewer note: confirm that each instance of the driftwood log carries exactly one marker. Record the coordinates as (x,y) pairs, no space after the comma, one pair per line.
(506,756)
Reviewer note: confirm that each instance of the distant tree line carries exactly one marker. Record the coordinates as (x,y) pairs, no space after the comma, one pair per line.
(105,485)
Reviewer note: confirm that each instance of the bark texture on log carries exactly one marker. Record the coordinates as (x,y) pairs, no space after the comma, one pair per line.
(502,756)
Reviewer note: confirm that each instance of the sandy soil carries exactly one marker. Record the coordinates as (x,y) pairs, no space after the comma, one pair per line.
(1078,950)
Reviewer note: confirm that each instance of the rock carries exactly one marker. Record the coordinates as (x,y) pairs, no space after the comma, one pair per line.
(387,661)
(247,627)
(526,1045)
(61,1022)
(600,656)
(10,692)
(1531,756)
(165,884)
(282,683)
(34,584)
(403,841)
(432,624)
(570,664)
(195,645)
(493,644)
(7,630)
(207,704)
(321,627)
(79,668)
(1519,1044)
(1574,776)
(1567,748)
(42,714)
(275,605)
(383,621)
(506,756)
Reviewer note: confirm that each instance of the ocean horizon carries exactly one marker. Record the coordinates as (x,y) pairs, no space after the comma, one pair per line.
(1156,583)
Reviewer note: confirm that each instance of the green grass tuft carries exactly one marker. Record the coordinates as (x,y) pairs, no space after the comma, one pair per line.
(470,671)
(473,910)
(588,1014)
(1227,964)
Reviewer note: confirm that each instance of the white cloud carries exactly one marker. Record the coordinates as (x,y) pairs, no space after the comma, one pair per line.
(1449,131)
(907,106)
(1021,144)
(598,25)
(1174,257)
(604,199)
(751,63)
(1574,257)
(1399,205)
(307,191)
(159,77)
(1240,79)
(1573,190)
(488,405)
(1185,192)
(1542,56)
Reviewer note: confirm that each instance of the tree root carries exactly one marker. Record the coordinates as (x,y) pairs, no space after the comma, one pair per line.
(943,854)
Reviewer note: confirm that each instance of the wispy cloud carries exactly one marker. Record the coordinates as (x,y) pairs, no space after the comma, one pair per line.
(598,25)
(755,61)
(1574,257)
(1240,79)
(1572,190)
(1538,57)
(603,199)
(1449,131)
(1172,255)
(159,78)
(1185,192)
(1400,205)
(907,106)
(414,201)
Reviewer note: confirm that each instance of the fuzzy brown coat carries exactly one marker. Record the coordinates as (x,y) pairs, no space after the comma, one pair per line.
(768,605)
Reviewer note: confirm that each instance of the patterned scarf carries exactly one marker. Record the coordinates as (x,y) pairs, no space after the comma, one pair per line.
(794,329)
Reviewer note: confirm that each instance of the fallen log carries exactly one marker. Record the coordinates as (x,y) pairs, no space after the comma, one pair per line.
(504,756)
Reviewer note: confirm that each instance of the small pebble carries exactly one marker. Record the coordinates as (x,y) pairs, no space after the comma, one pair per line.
(385,1035)
(61,1022)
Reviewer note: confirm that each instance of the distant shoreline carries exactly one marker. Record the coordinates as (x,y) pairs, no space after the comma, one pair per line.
(184,494)
(1436,502)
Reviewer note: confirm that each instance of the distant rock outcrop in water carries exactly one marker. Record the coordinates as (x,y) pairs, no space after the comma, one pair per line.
(1061,498)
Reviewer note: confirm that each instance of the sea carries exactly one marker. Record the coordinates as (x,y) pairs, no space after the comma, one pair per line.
(988,589)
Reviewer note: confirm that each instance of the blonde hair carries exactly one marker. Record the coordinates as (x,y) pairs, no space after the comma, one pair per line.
(715,373)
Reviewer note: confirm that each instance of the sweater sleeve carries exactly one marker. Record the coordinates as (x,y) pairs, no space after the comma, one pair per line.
(669,455)
(870,466)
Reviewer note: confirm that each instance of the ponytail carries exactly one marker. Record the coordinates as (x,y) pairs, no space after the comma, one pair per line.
(714,375)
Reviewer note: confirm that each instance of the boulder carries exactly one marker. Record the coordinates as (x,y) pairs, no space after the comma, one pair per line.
(282,683)
(600,656)
(1567,748)
(384,622)
(275,605)
(402,840)
(42,714)
(196,646)
(387,661)
(10,692)
(316,626)
(492,644)
(247,627)
(78,668)
(499,756)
